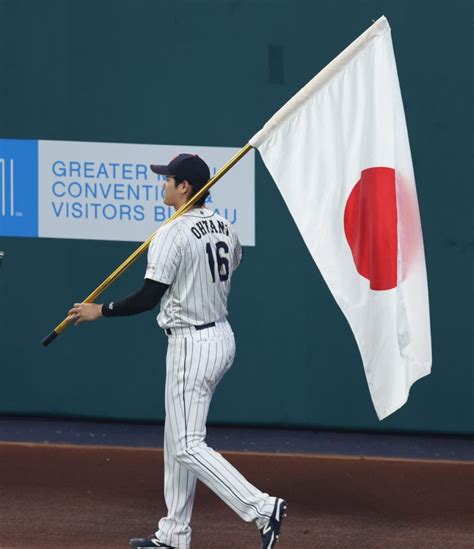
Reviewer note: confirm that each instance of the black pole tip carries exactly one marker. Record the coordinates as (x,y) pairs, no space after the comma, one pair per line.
(49,339)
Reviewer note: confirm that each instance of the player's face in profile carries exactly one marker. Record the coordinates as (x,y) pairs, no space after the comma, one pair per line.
(171,192)
(175,194)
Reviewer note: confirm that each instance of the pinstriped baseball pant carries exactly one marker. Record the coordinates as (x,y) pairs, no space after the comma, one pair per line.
(196,361)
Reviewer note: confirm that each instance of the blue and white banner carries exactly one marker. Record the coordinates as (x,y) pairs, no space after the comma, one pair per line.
(106,191)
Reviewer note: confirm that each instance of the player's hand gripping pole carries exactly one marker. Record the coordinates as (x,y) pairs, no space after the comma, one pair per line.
(138,252)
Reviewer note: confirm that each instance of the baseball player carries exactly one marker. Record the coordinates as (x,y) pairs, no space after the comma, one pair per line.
(190,266)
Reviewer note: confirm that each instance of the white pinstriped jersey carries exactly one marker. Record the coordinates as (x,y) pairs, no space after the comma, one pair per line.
(196,255)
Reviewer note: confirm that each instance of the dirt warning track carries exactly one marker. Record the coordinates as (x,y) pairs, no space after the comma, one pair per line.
(95,496)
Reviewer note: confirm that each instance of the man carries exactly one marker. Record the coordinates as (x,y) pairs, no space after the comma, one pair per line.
(190,265)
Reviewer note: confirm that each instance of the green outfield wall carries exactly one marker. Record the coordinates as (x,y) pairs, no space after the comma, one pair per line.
(211,73)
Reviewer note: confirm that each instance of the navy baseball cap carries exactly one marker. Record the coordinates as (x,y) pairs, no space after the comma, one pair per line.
(186,166)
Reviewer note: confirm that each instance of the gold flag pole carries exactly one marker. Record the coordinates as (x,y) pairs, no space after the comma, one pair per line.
(138,252)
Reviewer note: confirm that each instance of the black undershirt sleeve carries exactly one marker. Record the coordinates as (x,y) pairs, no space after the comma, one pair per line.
(145,299)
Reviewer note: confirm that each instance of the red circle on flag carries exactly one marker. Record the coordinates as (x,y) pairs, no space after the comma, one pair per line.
(370,224)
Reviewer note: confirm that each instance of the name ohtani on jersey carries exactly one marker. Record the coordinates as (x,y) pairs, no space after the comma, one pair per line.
(195,255)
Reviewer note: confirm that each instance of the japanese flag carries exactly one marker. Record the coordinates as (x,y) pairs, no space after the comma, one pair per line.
(339,153)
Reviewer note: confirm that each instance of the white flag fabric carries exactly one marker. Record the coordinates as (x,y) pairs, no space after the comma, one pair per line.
(340,156)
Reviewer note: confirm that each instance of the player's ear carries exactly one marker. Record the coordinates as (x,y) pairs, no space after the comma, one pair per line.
(187,187)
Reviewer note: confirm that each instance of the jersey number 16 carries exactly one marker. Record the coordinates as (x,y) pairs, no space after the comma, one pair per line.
(222,257)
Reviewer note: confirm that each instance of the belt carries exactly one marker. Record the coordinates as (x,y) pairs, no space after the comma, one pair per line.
(202,327)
